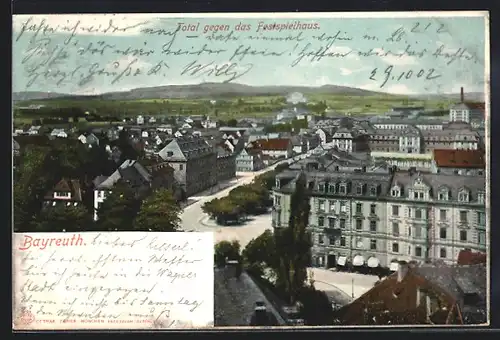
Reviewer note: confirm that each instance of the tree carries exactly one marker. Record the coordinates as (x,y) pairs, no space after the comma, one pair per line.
(64,218)
(232,122)
(226,250)
(315,307)
(222,209)
(293,243)
(260,253)
(159,212)
(119,209)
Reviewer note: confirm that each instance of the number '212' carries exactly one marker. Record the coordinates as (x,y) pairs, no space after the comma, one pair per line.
(428,74)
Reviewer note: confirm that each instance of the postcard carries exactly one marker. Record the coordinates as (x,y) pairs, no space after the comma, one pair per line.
(250,170)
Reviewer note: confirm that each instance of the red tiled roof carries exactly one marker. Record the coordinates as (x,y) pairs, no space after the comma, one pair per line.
(467,257)
(459,158)
(274,144)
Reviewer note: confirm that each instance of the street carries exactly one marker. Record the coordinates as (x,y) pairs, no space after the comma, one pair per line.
(340,287)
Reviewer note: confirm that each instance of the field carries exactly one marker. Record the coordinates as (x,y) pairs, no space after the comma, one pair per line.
(226,108)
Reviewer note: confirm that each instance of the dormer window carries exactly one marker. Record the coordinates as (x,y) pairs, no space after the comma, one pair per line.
(443,195)
(463,196)
(373,190)
(321,187)
(277,183)
(343,188)
(395,192)
(360,189)
(331,188)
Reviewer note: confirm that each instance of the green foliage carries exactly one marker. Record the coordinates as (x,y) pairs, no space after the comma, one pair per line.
(260,252)
(294,125)
(316,308)
(293,243)
(118,210)
(159,212)
(226,250)
(64,218)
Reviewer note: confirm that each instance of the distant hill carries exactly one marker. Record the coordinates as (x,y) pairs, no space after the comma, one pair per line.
(224,90)
(34,95)
(205,90)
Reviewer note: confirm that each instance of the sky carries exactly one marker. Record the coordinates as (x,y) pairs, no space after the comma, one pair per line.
(92,54)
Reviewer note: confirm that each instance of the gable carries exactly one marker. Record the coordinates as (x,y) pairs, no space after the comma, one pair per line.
(172,151)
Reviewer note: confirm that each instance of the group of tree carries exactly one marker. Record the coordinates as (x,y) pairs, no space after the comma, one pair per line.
(41,167)
(294,125)
(287,253)
(249,199)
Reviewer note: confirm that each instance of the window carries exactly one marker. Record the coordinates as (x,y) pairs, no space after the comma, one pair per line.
(481,237)
(342,241)
(321,188)
(463,196)
(99,194)
(395,193)
(481,218)
(359,208)
(359,224)
(442,253)
(373,191)
(463,235)
(331,240)
(418,232)
(395,248)
(331,188)
(359,189)
(395,229)
(373,226)
(343,207)
(415,195)
(181,166)
(421,195)
(332,206)
(343,189)
(395,210)
(321,221)
(342,223)
(442,196)
(170,153)
(463,216)
(321,239)
(480,198)
(331,222)
(373,209)
(442,214)
(418,213)
(418,251)
(277,200)
(373,244)
(442,233)
(321,204)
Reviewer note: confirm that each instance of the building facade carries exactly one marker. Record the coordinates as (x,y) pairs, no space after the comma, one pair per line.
(249,160)
(194,162)
(372,219)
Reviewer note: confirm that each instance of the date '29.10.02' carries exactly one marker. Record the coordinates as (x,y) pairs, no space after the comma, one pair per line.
(390,74)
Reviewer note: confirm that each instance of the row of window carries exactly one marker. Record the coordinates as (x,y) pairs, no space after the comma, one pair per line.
(394,247)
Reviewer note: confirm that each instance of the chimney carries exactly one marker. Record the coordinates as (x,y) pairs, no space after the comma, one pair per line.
(461,94)
(402,270)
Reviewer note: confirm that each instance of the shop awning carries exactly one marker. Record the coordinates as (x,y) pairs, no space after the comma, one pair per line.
(342,260)
(394,266)
(373,262)
(358,260)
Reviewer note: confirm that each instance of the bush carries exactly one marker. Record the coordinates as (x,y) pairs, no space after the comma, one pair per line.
(226,250)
